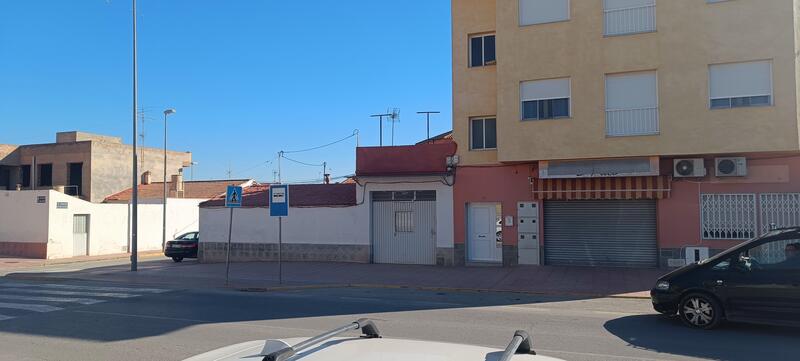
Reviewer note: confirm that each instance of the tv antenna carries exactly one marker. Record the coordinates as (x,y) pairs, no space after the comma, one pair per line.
(380,122)
(428,120)
(393,118)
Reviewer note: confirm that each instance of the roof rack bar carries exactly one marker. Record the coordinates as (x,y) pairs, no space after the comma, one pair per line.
(520,344)
(367,327)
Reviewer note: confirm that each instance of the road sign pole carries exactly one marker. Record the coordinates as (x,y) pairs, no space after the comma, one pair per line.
(280,250)
(228,255)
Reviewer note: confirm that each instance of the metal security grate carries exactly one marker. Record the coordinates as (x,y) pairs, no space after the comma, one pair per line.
(779,210)
(728,216)
(629,122)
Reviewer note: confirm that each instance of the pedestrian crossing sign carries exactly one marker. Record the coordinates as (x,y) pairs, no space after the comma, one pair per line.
(233,197)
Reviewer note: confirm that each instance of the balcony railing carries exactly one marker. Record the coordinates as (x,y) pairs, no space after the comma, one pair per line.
(628,122)
(638,19)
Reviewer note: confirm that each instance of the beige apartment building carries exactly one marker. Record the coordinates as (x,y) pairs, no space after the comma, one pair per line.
(86,165)
(623,133)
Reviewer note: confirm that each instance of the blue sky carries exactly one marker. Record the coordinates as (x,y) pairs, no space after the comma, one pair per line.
(248,78)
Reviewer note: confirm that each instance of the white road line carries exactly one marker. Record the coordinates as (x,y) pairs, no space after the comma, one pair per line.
(82,301)
(68,293)
(4,317)
(28,307)
(86,288)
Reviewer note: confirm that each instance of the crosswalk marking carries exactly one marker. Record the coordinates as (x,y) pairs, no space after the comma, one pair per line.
(4,317)
(86,288)
(29,307)
(69,293)
(82,301)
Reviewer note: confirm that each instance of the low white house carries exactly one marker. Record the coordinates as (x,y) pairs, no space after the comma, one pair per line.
(397,209)
(48,224)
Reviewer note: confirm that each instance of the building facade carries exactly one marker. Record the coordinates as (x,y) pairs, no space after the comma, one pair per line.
(86,165)
(623,133)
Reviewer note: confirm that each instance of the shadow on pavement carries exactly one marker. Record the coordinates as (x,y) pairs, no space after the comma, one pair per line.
(202,299)
(729,342)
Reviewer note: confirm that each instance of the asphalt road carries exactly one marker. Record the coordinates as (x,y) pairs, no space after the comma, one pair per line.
(99,321)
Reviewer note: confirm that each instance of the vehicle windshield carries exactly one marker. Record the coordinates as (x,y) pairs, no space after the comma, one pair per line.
(736,249)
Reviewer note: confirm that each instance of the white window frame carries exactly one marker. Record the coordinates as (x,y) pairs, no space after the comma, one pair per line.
(734,217)
(483,50)
(523,100)
(771,94)
(483,119)
(519,15)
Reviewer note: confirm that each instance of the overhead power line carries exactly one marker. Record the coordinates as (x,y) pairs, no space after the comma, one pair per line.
(303,163)
(355,134)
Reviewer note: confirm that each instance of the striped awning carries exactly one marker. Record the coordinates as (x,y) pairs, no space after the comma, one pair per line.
(655,187)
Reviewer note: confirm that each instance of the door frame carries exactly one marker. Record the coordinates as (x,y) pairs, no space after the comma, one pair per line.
(468,240)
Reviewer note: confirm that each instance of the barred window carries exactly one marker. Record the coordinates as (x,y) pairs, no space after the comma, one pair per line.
(728,216)
(403,221)
(779,210)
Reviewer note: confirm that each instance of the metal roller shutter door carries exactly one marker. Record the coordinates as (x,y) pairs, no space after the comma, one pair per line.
(611,233)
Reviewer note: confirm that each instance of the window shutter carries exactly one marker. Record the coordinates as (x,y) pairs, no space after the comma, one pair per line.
(545,89)
(740,79)
(631,91)
(542,11)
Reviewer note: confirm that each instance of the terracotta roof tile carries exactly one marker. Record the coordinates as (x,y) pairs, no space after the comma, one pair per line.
(191,190)
(300,195)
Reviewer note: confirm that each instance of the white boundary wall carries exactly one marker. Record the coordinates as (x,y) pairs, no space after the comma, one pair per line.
(318,225)
(24,220)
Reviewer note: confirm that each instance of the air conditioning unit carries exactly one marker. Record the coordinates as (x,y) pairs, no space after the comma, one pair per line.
(731,167)
(693,167)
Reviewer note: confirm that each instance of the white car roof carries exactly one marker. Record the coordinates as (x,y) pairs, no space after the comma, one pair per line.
(357,348)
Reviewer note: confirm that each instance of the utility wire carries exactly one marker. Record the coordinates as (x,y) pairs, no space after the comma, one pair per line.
(355,133)
(303,163)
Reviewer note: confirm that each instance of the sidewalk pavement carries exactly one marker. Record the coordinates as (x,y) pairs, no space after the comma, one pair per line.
(10,264)
(263,276)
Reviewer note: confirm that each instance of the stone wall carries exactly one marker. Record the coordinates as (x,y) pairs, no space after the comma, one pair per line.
(211,252)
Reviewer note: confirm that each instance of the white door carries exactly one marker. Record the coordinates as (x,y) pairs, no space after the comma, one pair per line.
(483,245)
(80,235)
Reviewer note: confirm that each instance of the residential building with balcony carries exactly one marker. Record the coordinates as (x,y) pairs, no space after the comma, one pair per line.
(622,133)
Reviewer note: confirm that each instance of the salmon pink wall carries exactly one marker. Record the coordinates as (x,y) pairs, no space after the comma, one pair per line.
(506,185)
(679,215)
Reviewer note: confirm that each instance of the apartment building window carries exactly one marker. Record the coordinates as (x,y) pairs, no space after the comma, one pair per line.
(542,11)
(632,104)
(45,175)
(740,84)
(482,50)
(728,216)
(545,99)
(629,16)
(483,133)
(25,172)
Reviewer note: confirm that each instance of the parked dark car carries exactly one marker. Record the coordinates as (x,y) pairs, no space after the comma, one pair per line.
(756,282)
(185,246)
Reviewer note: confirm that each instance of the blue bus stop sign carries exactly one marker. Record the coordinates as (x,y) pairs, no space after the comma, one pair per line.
(279,201)
(233,197)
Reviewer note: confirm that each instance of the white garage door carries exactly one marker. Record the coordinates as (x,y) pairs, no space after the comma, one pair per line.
(404,227)
(611,233)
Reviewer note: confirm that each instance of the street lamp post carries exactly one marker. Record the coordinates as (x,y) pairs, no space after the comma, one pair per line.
(167,113)
(135,196)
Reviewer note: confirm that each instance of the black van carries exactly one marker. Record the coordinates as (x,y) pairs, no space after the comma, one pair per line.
(757,281)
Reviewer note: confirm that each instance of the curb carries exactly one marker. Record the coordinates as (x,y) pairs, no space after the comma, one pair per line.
(484,290)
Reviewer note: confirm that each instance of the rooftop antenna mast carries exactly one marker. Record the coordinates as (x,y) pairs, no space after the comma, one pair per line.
(380,122)
(394,118)
(428,120)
